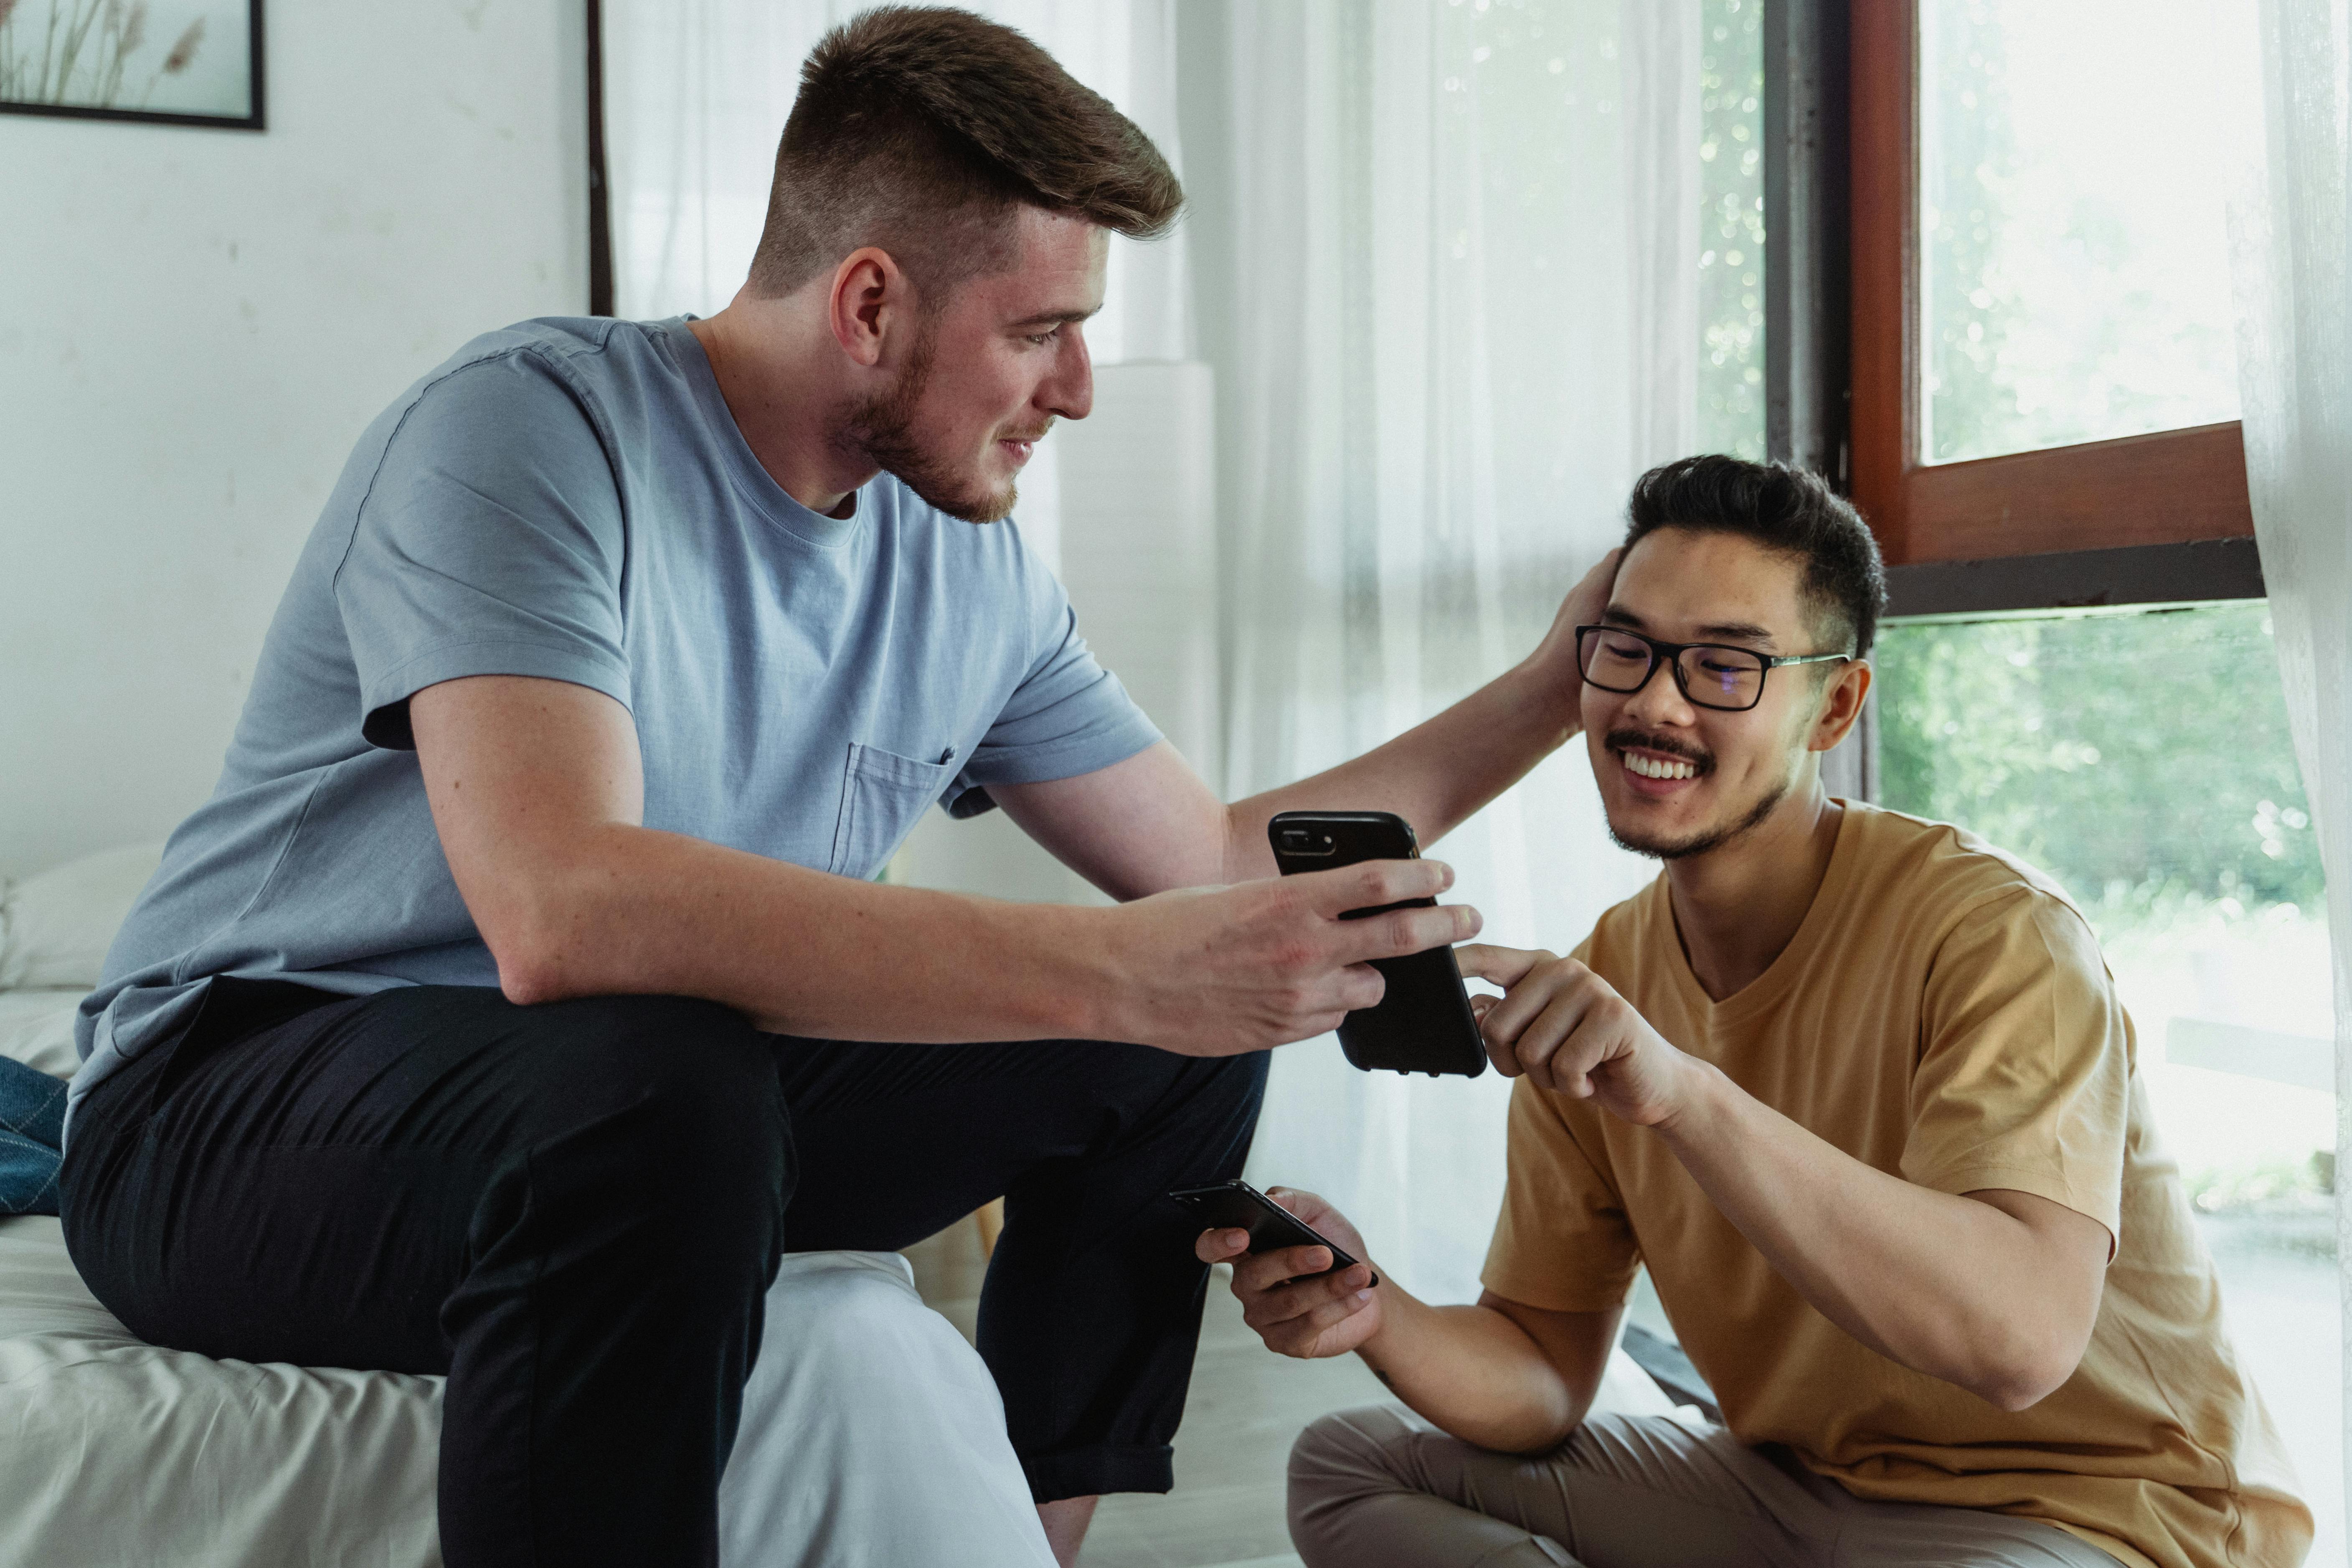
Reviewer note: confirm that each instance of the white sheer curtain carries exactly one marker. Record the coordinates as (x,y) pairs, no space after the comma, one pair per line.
(2293,278)
(1449,273)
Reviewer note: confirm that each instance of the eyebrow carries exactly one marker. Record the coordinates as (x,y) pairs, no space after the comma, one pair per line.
(1052,319)
(1740,631)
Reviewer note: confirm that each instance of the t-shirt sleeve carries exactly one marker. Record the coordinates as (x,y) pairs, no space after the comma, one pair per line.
(489,542)
(2024,1075)
(1562,1243)
(1069,715)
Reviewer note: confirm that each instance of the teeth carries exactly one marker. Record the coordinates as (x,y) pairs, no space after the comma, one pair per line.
(1652,768)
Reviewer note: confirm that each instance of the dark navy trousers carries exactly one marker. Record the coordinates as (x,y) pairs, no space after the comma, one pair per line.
(573,1212)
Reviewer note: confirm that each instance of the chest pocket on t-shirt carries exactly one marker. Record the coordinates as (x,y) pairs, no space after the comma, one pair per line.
(882,797)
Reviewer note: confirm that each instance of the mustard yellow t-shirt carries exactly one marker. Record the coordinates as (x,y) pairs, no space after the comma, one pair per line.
(1944,1014)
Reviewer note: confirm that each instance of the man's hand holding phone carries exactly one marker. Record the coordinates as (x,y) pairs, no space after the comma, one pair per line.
(1217,972)
(1296,1308)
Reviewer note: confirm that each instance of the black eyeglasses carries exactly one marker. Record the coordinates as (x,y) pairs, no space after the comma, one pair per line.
(1712,675)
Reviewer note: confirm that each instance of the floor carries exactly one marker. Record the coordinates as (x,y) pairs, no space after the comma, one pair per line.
(2279,1291)
(1246,1406)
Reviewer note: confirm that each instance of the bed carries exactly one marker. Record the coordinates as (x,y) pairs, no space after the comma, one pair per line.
(114,1453)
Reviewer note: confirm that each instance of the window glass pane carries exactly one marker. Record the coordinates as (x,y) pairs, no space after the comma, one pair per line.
(1732,227)
(2073,163)
(2143,759)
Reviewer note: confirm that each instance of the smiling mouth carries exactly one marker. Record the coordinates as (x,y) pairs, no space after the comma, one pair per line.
(1657,767)
(1644,758)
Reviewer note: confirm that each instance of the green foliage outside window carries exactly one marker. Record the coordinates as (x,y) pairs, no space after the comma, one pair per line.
(2142,759)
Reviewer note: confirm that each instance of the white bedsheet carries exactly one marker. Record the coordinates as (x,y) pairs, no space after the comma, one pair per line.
(872,1436)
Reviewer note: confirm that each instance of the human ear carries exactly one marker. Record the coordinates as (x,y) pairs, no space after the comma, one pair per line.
(1841,706)
(869,293)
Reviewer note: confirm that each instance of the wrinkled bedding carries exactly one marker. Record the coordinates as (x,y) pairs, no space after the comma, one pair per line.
(113,1452)
(116,1454)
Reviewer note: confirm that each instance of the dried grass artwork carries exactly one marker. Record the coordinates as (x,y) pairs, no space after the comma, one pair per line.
(184,62)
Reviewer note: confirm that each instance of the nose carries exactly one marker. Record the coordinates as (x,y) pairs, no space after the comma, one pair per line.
(1068,392)
(1660,704)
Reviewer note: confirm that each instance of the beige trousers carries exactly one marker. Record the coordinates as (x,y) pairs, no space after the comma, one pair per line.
(1381,1487)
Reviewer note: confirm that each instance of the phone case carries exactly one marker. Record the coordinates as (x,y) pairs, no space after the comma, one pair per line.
(1424,1022)
(1237,1205)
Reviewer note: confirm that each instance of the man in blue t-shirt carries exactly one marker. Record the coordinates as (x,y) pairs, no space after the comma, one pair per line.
(523,991)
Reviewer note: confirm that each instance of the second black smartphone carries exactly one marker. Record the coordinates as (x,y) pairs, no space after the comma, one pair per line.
(1237,1205)
(1424,1022)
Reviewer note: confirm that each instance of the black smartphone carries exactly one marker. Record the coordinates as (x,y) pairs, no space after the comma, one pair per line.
(1424,1022)
(1237,1205)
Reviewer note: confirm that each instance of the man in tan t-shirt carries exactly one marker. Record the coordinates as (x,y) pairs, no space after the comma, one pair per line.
(1856,1087)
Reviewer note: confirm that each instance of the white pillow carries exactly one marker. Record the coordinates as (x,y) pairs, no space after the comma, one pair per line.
(55,927)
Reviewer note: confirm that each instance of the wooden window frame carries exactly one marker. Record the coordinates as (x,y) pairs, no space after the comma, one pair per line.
(2139,493)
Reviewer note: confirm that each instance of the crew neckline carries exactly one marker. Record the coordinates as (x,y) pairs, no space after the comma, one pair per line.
(1769,987)
(752,482)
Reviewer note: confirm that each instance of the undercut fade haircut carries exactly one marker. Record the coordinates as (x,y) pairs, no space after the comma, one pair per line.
(1790,511)
(920,130)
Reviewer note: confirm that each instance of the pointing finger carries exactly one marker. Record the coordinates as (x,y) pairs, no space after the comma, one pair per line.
(1502,965)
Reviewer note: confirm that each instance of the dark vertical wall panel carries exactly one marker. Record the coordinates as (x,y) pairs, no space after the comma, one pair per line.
(600,206)
(1806,300)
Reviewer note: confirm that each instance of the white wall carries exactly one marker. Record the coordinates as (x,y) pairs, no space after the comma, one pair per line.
(194,327)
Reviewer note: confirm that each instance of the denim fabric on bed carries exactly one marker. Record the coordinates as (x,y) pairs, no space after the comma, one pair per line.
(32,1127)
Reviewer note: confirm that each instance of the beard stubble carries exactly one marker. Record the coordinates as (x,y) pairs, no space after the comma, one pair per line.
(882,430)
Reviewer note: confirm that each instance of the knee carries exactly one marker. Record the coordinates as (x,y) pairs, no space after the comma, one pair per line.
(1342,1461)
(1220,1096)
(1241,1080)
(683,1091)
(1349,1447)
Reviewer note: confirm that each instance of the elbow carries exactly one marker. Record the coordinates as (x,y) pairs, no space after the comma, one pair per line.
(1534,1432)
(527,979)
(2017,1395)
(2027,1376)
(535,964)
(2025,1387)
(1534,1446)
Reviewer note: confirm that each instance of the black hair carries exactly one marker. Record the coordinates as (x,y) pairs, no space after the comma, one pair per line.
(1787,510)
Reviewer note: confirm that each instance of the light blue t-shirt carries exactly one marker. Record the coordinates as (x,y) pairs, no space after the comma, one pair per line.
(572,500)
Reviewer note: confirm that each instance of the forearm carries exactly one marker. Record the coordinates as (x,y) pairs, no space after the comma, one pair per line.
(1433,775)
(1474,1372)
(1945,1285)
(623,910)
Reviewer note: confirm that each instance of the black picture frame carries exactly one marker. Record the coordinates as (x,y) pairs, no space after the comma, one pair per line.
(255,119)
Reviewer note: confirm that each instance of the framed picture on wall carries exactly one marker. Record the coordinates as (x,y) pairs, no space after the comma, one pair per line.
(178,62)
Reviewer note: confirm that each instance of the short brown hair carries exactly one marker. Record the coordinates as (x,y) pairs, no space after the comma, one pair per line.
(918,129)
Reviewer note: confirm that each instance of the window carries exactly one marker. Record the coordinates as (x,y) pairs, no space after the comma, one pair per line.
(2043,364)
(2073,258)
(2143,759)
(2039,321)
